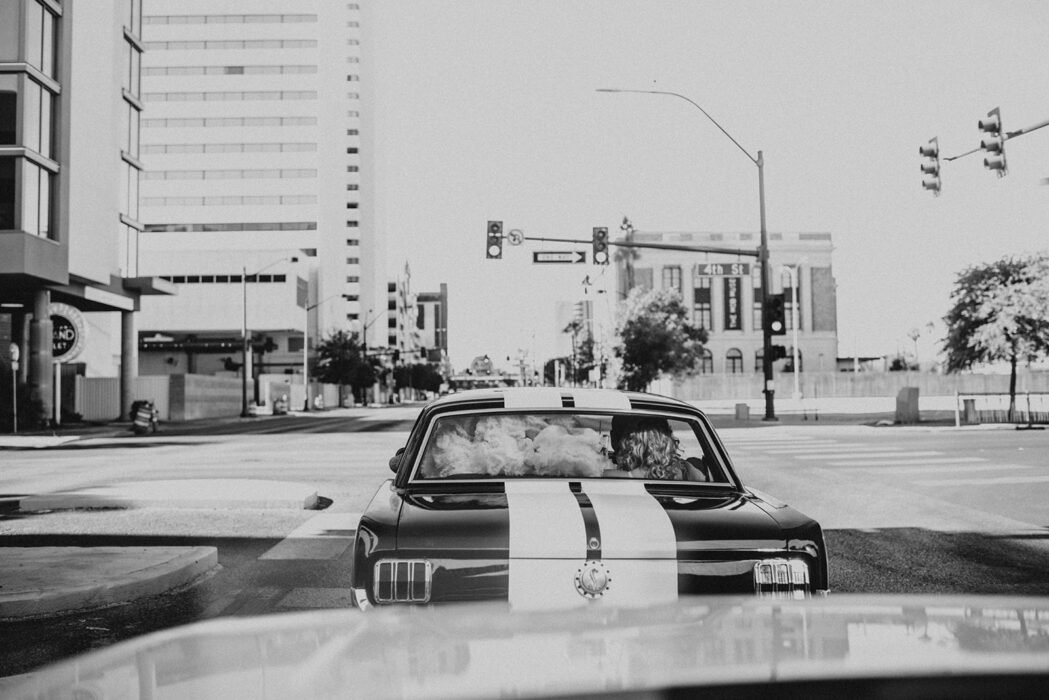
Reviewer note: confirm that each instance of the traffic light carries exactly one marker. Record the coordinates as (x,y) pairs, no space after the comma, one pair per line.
(600,245)
(931,166)
(779,352)
(775,315)
(994,142)
(495,240)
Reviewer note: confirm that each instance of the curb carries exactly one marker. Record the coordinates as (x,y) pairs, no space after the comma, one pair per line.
(113,575)
(179,493)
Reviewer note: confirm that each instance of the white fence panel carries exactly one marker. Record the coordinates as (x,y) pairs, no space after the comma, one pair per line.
(98,398)
(155,388)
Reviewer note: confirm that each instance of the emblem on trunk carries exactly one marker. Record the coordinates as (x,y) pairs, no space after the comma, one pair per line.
(592,579)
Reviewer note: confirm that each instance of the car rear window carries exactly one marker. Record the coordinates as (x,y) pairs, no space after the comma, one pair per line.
(566,445)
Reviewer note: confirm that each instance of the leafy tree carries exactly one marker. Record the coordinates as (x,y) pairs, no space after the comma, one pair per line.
(655,337)
(582,359)
(341,361)
(420,376)
(1000,312)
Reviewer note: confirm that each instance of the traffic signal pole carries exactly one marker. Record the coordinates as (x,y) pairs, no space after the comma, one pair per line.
(766,334)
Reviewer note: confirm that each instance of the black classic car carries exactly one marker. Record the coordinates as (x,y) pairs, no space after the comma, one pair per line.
(554,498)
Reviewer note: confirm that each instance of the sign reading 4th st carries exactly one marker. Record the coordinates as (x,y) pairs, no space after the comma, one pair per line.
(559,256)
(723,269)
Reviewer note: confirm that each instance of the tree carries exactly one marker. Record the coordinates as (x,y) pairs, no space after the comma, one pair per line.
(655,337)
(582,359)
(1000,312)
(341,361)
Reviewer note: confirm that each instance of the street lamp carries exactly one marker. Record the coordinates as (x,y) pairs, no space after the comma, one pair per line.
(246,355)
(763,249)
(794,323)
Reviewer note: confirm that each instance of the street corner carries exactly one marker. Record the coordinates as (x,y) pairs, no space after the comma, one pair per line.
(260,494)
(35,442)
(38,582)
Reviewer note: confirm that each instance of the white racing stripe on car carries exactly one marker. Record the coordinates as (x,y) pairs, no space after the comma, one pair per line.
(545,521)
(533,397)
(547,544)
(597,398)
(633,523)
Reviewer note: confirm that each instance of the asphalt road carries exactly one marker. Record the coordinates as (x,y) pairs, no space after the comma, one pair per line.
(905,510)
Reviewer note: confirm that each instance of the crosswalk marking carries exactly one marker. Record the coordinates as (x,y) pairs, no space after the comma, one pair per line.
(881,457)
(932,469)
(986,481)
(837,446)
(905,459)
(324,536)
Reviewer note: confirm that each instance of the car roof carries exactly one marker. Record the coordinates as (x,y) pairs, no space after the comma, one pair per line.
(525,398)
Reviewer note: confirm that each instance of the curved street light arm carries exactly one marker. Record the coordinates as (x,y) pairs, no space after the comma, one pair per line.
(691,102)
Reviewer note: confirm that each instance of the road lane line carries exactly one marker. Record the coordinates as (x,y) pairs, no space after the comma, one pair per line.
(903,462)
(987,481)
(897,453)
(324,536)
(944,468)
(847,449)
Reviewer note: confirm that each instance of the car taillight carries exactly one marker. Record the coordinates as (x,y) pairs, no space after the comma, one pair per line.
(781,578)
(403,581)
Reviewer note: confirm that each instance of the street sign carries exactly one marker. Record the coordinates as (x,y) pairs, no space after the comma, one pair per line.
(723,269)
(559,256)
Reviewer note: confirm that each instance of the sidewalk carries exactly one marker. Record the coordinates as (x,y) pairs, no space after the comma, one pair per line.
(46,581)
(49,581)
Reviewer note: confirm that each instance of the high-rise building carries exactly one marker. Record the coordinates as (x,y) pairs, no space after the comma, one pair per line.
(69,163)
(257,190)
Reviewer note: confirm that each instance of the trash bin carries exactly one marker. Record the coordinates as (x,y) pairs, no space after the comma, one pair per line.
(742,411)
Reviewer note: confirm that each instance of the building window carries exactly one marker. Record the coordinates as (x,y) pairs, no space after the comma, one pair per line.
(672,278)
(706,362)
(353,278)
(353,261)
(734,361)
(759,365)
(702,310)
(353,241)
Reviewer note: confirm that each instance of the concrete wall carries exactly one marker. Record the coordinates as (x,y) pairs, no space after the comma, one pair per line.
(815,385)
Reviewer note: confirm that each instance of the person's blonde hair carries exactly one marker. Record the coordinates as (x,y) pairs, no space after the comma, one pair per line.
(650,446)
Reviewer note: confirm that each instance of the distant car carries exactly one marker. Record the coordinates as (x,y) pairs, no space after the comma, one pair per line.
(553,498)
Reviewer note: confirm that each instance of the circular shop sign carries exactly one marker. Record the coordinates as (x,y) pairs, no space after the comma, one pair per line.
(69,332)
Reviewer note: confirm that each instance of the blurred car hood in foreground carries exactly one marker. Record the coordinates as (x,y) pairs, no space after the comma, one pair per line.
(483,650)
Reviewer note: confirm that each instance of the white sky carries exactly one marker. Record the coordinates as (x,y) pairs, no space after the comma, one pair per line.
(487,110)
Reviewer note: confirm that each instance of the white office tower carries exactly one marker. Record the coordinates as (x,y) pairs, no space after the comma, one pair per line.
(257,186)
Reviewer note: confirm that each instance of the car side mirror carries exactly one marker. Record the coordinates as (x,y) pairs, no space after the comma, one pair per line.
(395,461)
